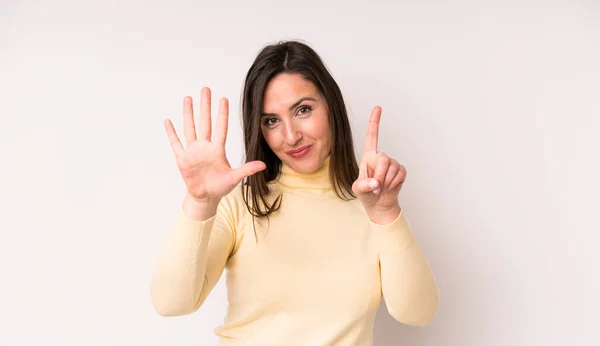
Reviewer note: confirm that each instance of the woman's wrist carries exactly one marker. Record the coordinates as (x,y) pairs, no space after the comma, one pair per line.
(199,210)
(386,216)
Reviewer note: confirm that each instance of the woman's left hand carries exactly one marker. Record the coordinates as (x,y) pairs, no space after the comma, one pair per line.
(380,168)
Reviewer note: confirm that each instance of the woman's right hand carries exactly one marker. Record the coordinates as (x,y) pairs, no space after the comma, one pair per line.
(203,164)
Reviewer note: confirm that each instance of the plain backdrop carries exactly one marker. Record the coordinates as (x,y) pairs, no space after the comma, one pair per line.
(492,106)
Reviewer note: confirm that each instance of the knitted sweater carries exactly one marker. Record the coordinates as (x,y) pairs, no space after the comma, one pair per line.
(313,274)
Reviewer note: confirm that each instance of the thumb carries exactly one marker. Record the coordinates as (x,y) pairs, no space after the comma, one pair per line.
(365,186)
(248,169)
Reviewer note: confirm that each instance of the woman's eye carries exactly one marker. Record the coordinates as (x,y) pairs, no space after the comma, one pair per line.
(303,109)
(267,121)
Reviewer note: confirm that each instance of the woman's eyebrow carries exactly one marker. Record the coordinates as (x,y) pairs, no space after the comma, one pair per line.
(296,104)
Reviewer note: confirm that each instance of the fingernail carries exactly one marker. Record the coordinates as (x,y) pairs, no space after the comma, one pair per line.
(373,183)
(376,191)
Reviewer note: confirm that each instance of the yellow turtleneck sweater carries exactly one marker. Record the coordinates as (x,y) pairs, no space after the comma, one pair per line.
(315,276)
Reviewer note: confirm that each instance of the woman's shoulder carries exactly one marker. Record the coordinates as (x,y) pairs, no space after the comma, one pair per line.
(236,200)
(233,202)
(239,201)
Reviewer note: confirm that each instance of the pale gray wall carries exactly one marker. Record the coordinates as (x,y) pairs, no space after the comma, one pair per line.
(492,106)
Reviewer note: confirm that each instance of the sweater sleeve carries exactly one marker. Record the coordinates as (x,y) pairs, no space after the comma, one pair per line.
(191,262)
(409,287)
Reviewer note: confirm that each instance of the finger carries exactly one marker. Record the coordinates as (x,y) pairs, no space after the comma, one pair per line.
(367,164)
(189,127)
(367,185)
(222,122)
(362,168)
(391,174)
(173,139)
(205,116)
(247,169)
(373,130)
(399,178)
(383,164)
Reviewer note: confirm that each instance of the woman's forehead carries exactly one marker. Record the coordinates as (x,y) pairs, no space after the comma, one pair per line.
(286,89)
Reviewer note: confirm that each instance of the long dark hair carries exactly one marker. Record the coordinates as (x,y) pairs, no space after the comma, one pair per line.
(292,57)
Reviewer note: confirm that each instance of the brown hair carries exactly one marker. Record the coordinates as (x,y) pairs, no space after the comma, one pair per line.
(292,57)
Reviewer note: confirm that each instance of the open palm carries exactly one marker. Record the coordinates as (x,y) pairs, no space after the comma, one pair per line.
(203,163)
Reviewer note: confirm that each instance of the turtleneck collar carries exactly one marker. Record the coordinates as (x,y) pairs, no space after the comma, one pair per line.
(316,181)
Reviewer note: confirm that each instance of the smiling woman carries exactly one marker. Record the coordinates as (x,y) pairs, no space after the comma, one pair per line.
(291,101)
(300,126)
(336,241)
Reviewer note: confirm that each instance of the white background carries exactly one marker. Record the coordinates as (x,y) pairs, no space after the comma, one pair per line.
(492,106)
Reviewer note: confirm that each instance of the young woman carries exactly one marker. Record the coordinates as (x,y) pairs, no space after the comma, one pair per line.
(311,240)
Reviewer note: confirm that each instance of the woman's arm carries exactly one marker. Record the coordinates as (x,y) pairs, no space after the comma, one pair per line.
(189,266)
(409,287)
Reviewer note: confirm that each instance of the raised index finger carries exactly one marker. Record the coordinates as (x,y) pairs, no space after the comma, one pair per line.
(373,130)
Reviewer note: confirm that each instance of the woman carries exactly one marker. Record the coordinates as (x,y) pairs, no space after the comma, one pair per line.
(310,239)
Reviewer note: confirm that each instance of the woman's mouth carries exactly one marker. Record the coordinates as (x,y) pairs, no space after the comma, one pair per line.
(299,154)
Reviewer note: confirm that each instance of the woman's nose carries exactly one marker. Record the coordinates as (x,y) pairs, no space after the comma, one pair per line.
(292,134)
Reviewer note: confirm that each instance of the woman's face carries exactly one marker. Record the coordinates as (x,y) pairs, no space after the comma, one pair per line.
(295,116)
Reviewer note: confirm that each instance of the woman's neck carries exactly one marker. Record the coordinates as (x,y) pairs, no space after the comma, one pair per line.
(318,180)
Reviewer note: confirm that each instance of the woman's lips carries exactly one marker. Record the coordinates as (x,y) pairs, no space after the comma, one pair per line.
(300,154)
